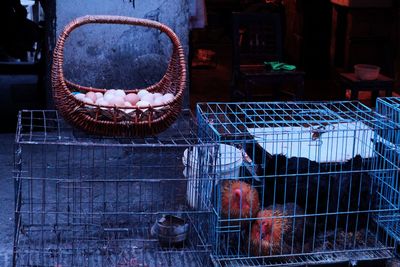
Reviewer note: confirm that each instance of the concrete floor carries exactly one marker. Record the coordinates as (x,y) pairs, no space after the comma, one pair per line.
(6,199)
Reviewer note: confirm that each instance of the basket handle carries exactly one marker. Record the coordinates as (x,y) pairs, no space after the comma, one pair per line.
(58,54)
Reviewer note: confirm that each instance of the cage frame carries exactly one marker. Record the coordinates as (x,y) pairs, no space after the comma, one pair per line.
(70,221)
(226,123)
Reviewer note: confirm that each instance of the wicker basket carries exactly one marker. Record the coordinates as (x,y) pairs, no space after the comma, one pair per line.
(110,120)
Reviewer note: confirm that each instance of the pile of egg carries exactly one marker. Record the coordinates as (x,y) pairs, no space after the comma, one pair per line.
(119,98)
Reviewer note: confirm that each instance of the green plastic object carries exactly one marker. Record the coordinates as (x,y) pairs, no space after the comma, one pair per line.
(276,65)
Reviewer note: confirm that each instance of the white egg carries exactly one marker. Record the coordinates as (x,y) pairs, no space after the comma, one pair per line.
(92,96)
(148,97)
(168,95)
(128,104)
(142,104)
(88,100)
(102,102)
(158,101)
(109,92)
(132,98)
(117,101)
(120,92)
(108,97)
(141,93)
(99,95)
(80,96)
(168,98)
(157,95)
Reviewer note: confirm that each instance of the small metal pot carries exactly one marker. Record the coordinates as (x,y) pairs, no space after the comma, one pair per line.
(170,229)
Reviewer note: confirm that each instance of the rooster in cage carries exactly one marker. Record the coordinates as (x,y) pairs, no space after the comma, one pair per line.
(296,179)
(351,193)
(238,200)
(278,230)
(320,187)
(239,204)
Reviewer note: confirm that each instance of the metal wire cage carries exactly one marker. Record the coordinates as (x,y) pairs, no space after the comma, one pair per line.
(309,188)
(389,108)
(92,201)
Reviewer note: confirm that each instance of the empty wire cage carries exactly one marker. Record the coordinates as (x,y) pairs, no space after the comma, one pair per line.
(388,148)
(87,201)
(308,188)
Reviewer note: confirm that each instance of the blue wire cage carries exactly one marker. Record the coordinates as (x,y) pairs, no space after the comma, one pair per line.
(389,108)
(87,201)
(298,182)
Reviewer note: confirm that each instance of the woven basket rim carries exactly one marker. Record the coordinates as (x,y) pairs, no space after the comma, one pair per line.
(112,19)
(173,81)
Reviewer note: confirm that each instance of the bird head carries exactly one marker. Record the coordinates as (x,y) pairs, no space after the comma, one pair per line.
(243,201)
(266,229)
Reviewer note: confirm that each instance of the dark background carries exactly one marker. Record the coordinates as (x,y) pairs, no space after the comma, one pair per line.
(320,38)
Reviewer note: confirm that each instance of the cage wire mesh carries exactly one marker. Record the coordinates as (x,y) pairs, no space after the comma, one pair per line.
(91,201)
(389,108)
(310,186)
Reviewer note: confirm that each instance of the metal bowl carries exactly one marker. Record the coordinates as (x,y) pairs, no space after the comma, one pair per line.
(170,229)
